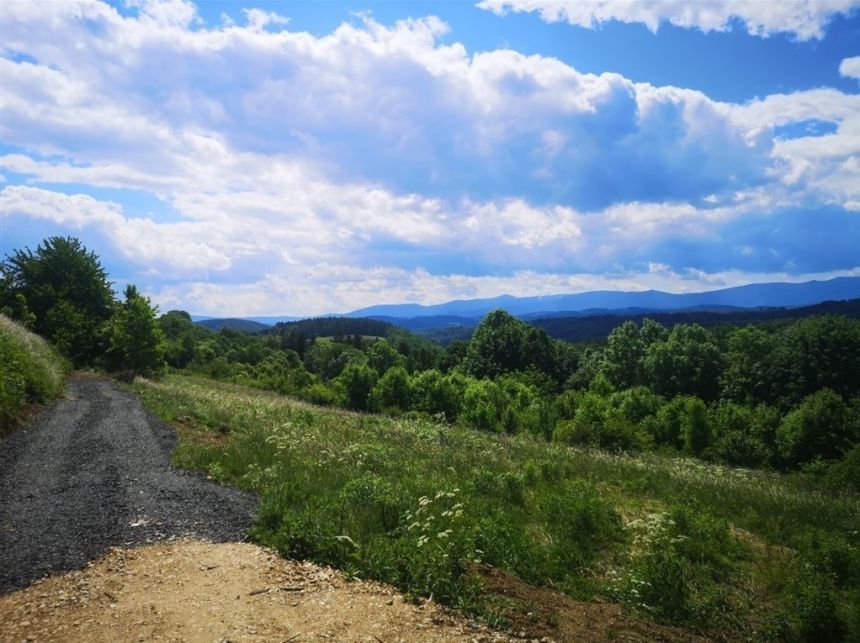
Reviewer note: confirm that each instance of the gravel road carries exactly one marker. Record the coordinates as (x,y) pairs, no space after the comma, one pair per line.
(93,471)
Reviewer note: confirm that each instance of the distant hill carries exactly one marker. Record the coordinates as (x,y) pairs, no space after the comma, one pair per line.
(751,296)
(242,325)
(597,327)
(333,327)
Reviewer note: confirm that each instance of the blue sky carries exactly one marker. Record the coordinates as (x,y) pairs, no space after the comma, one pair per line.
(266,158)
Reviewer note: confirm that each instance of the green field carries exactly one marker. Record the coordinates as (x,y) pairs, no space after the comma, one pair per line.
(728,553)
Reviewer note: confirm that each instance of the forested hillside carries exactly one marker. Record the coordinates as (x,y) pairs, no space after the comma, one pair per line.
(776,397)
(244,325)
(595,327)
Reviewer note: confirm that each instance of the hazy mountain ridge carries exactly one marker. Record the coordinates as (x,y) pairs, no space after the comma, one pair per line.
(468,312)
(777,294)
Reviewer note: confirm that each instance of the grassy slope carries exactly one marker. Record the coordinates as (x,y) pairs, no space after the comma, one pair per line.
(725,552)
(31,371)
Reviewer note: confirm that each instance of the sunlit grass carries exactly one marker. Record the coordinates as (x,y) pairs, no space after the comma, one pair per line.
(736,552)
(30,371)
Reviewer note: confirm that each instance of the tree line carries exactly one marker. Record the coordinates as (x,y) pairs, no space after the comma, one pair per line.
(784,397)
(61,291)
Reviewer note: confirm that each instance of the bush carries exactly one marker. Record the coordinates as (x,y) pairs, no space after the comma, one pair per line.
(484,404)
(581,523)
(393,391)
(358,380)
(820,427)
(33,372)
(319,393)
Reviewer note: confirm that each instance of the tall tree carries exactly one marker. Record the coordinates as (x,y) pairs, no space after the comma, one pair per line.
(687,363)
(137,343)
(504,344)
(623,358)
(66,291)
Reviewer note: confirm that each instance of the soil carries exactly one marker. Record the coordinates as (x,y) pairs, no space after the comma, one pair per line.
(199,591)
(537,613)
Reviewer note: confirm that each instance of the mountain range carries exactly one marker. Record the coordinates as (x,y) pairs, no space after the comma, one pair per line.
(777,294)
(468,311)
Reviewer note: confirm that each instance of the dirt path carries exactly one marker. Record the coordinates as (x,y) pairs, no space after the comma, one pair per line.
(93,471)
(196,591)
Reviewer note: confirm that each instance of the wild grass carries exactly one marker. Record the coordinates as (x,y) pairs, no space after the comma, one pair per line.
(31,371)
(727,552)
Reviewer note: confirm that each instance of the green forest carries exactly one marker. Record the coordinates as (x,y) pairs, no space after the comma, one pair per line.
(769,398)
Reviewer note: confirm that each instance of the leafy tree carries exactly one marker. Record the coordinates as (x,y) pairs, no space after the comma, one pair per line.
(182,335)
(328,359)
(503,344)
(695,428)
(623,357)
(652,332)
(746,378)
(687,363)
(358,380)
(815,353)
(484,404)
(453,356)
(742,435)
(636,403)
(589,365)
(393,390)
(62,290)
(137,343)
(435,393)
(381,356)
(821,427)
(665,427)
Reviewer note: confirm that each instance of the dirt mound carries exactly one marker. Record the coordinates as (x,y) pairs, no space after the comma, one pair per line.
(200,591)
(541,614)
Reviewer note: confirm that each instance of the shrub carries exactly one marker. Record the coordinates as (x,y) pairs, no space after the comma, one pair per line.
(484,403)
(581,523)
(32,371)
(319,393)
(820,427)
(393,391)
(358,380)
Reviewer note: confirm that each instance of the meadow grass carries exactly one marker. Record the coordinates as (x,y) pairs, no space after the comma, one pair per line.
(31,371)
(726,552)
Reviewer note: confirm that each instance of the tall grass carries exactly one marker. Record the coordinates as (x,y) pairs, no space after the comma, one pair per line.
(31,371)
(730,553)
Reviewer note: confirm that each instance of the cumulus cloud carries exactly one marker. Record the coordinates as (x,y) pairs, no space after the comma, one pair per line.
(803,19)
(376,162)
(850,67)
(371,103)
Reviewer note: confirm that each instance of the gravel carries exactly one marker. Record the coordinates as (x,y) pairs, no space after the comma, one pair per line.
(93,472)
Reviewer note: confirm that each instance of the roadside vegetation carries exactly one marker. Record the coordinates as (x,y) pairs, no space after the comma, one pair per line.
(707,478)
(727,552)
(61,292)
(32,372)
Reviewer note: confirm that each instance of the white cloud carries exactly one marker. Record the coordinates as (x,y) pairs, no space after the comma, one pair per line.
(850,67)
(291,160)
(381,104)
(804,19)
(259,19)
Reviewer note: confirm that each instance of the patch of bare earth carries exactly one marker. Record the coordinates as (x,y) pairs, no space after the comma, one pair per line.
(541,614)
(199,591)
